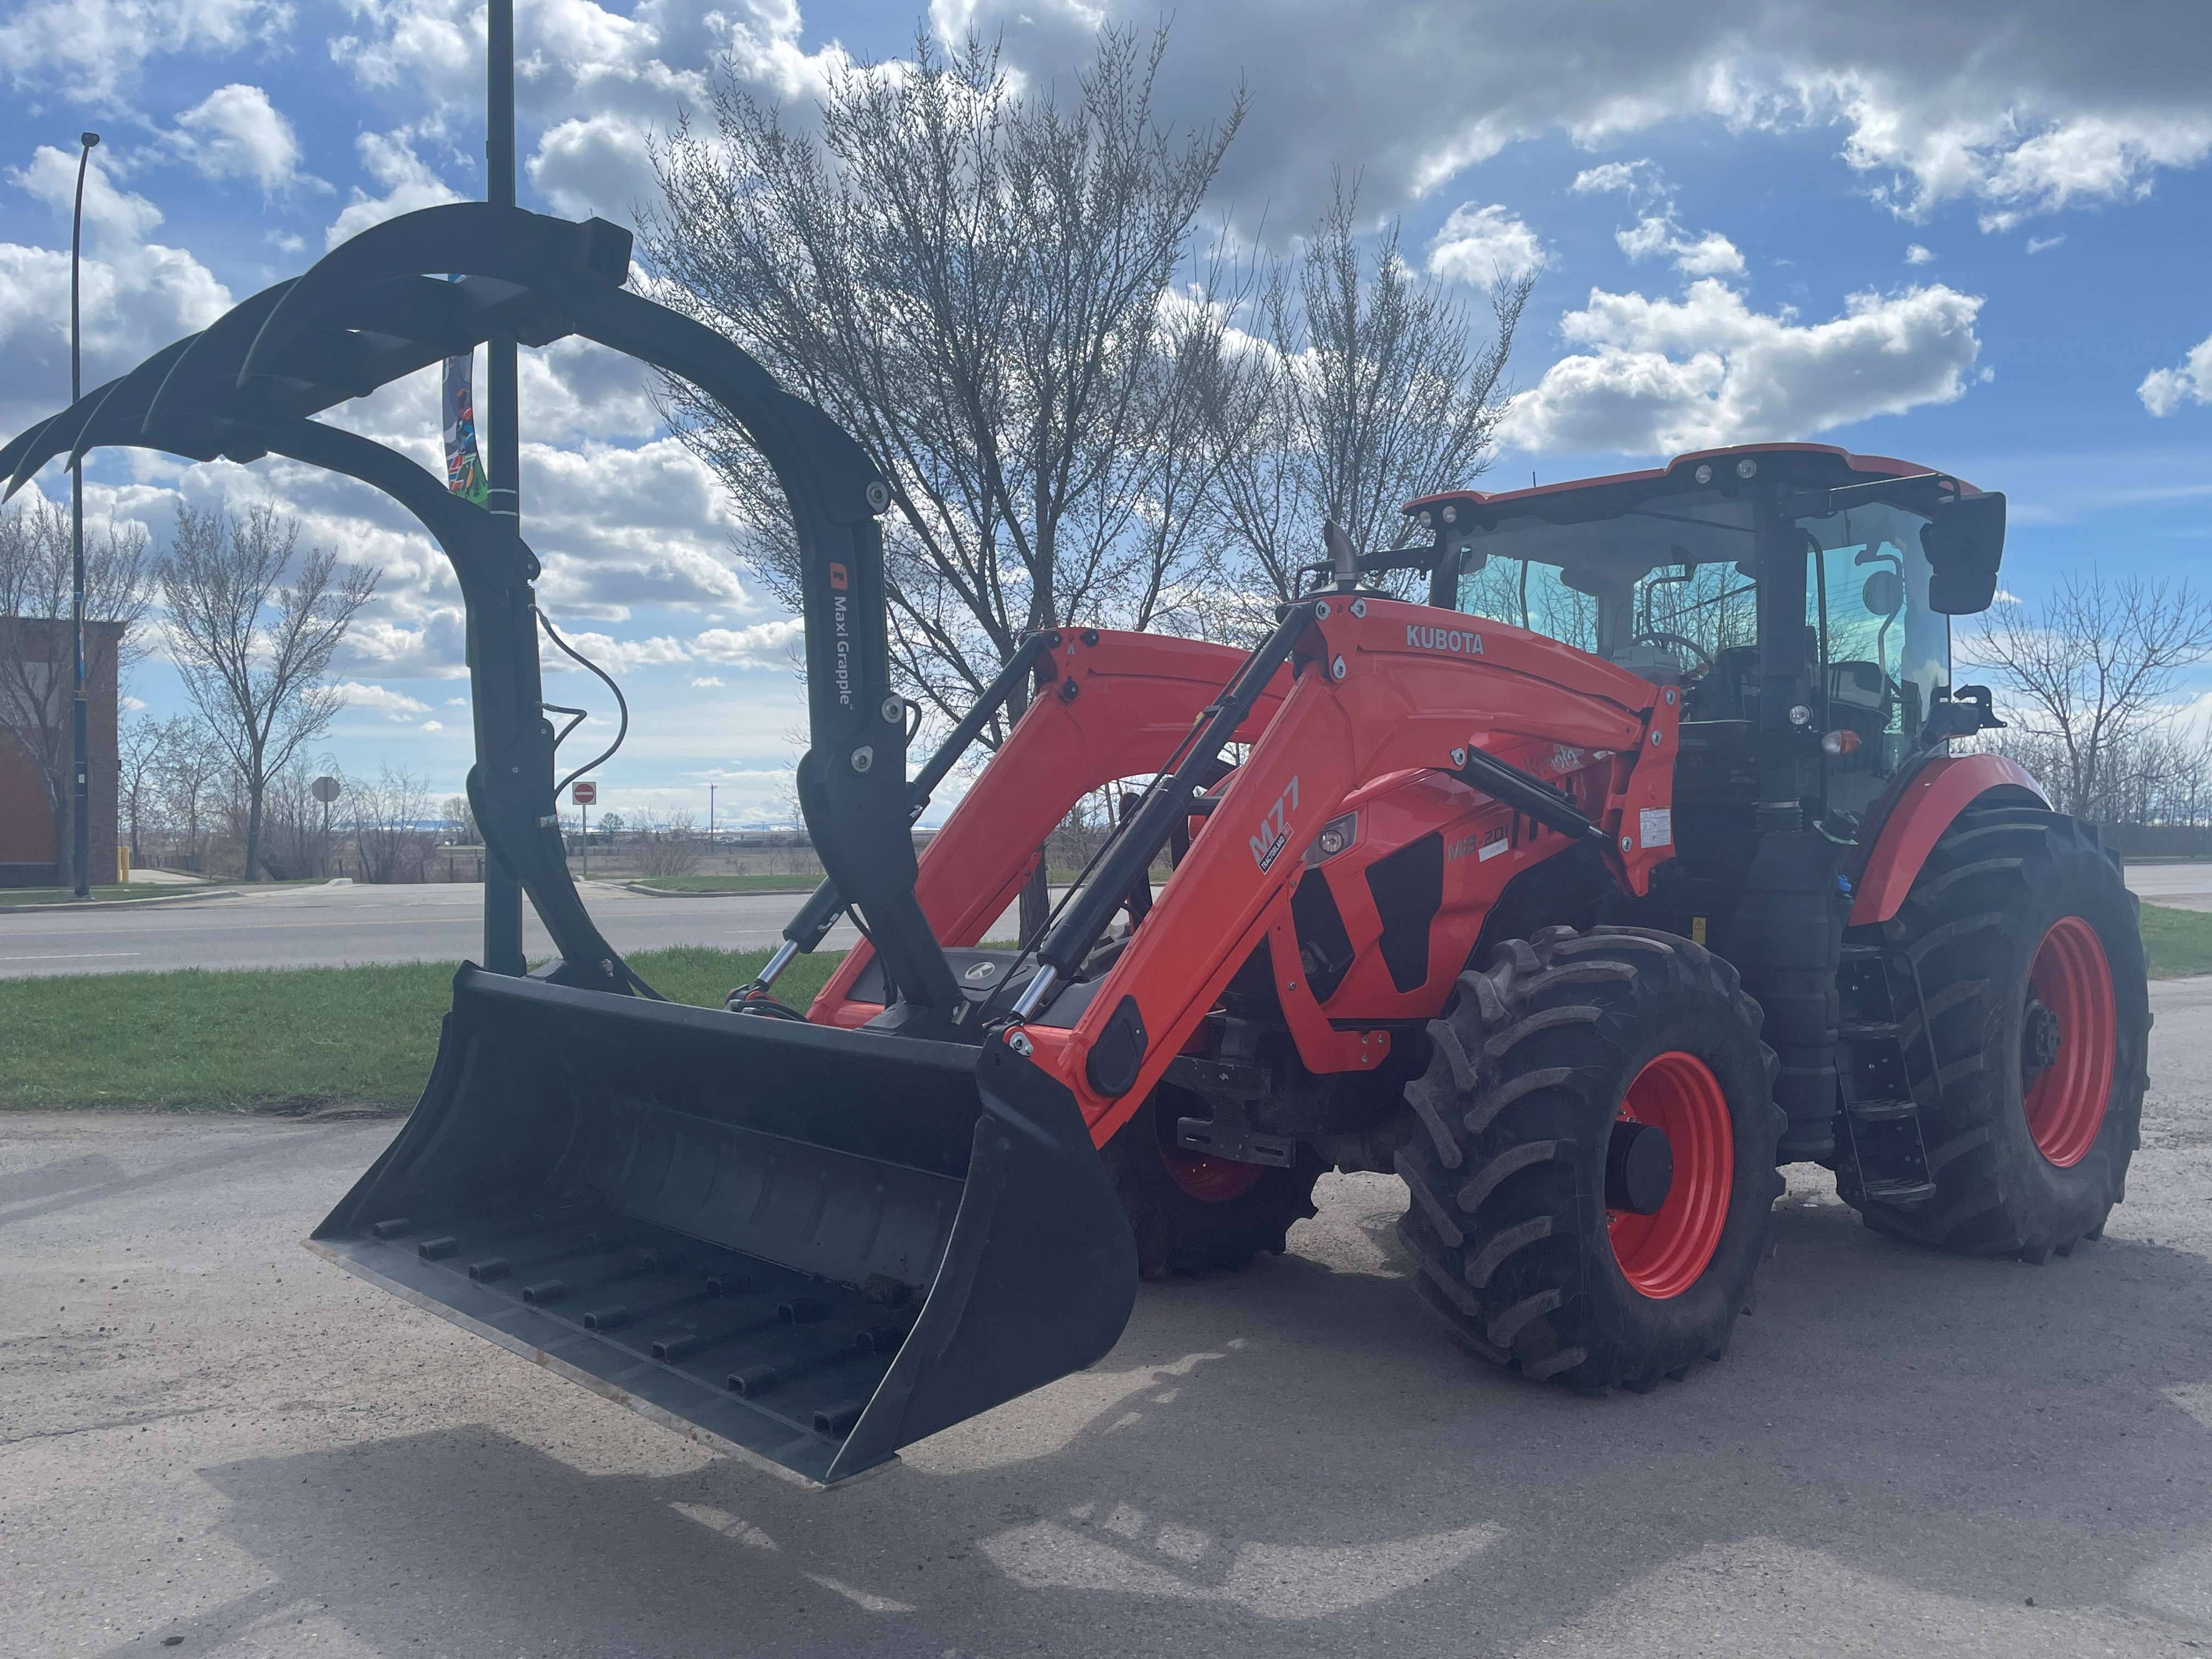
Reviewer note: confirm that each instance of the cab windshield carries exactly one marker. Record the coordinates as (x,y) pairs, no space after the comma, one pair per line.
(1670,590)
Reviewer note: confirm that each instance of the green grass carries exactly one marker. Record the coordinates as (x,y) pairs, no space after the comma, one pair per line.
(21,896)
(301,1038)
(2177,942)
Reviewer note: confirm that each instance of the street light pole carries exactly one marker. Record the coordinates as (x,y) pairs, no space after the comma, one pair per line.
(502,894)
(80,724)
(710,814)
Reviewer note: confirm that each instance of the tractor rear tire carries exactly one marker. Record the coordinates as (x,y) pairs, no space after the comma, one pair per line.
(2019,920)
(1192,1213)
(1533,1062)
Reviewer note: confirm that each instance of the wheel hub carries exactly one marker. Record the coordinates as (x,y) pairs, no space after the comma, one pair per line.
(2040,1036)
(1639,1168)
(1670,1155)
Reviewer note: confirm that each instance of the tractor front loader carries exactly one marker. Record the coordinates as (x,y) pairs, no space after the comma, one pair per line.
(1629,865)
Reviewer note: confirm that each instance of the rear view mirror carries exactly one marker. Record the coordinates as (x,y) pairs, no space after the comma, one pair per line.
(1964,540)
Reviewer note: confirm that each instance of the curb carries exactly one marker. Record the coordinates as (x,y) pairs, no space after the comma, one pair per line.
(122,904)
(707,892)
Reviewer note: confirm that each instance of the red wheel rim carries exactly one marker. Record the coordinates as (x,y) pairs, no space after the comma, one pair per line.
(1663,1254)
(2066,1103)
(1210,1180)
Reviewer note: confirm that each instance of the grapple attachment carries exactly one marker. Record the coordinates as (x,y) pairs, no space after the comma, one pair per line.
(813,1245)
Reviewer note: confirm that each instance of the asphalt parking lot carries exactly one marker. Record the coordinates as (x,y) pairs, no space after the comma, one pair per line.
(210,1442)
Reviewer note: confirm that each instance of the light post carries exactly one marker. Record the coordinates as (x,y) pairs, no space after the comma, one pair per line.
(79,727)
(710,814)
(503,921)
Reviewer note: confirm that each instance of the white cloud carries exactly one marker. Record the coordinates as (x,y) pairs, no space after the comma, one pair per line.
(1662,375)
(616,656)
(1485,247)
(706,682)
(2164,391)
(235,132)
(1917,255)
(1710,254)
(595,165)
(457,702)
(382,700)
(110,211)
(426,647)
(764,645)
(2044,244)
(409,183)
(130,705)
(2004,103)
(1637,180)
(94,51)
(431,725)
(138,295)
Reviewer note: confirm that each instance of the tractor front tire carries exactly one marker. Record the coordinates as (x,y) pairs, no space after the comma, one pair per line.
(2031,963)
(1193,1213)
(1537,1061)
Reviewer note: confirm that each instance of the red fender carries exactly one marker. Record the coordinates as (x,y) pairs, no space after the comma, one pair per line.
(1927,801)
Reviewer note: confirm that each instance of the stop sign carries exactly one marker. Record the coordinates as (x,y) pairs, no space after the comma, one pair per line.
(585,794)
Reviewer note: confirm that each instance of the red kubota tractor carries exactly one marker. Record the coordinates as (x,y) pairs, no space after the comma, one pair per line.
(1629,865)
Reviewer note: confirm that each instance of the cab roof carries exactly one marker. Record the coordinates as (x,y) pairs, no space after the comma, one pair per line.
(1805,466)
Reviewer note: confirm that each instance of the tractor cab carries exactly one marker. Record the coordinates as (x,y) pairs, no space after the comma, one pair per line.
(1787,589)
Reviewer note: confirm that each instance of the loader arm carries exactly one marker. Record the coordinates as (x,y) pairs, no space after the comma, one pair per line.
(1108,706)
(1378,688)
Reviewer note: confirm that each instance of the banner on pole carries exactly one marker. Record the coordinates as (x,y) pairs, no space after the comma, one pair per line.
(464,473)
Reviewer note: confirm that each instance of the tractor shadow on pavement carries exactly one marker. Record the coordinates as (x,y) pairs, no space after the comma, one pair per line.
(1294,1460)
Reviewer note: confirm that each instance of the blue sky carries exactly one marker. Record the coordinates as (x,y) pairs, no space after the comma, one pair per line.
(1973,235)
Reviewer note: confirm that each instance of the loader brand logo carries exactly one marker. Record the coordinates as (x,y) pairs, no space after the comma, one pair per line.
(838,579)
(1459,641)
(1275,828)
(841,622)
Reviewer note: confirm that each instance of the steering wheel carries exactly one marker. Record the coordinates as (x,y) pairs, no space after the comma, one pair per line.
(1655,637)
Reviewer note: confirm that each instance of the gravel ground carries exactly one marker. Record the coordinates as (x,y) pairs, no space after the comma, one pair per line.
(210,1441)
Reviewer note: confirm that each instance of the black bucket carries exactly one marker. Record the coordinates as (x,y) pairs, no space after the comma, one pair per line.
(814,1245)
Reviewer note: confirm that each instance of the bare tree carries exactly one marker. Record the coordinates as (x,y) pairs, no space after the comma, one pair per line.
(253,623)
(971,280)
(2088,672)
(463,817)
(192,763)
(671,845)
(137,781)
(1369,390)
(37,659)
(385,818)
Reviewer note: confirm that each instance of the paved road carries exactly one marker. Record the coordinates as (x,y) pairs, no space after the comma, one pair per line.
(206,1435)
(334,926)
(2187,886)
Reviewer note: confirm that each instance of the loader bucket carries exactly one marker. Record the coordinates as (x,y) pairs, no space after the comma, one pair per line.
(813,1246)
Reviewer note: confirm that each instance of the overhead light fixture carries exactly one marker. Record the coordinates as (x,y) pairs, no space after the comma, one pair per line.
(1703,475)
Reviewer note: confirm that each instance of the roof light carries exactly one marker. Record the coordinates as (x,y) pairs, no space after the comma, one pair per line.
(1451,514)
(1703,475)
(1746,468)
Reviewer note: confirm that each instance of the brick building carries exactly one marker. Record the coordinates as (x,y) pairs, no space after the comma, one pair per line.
(28,848)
